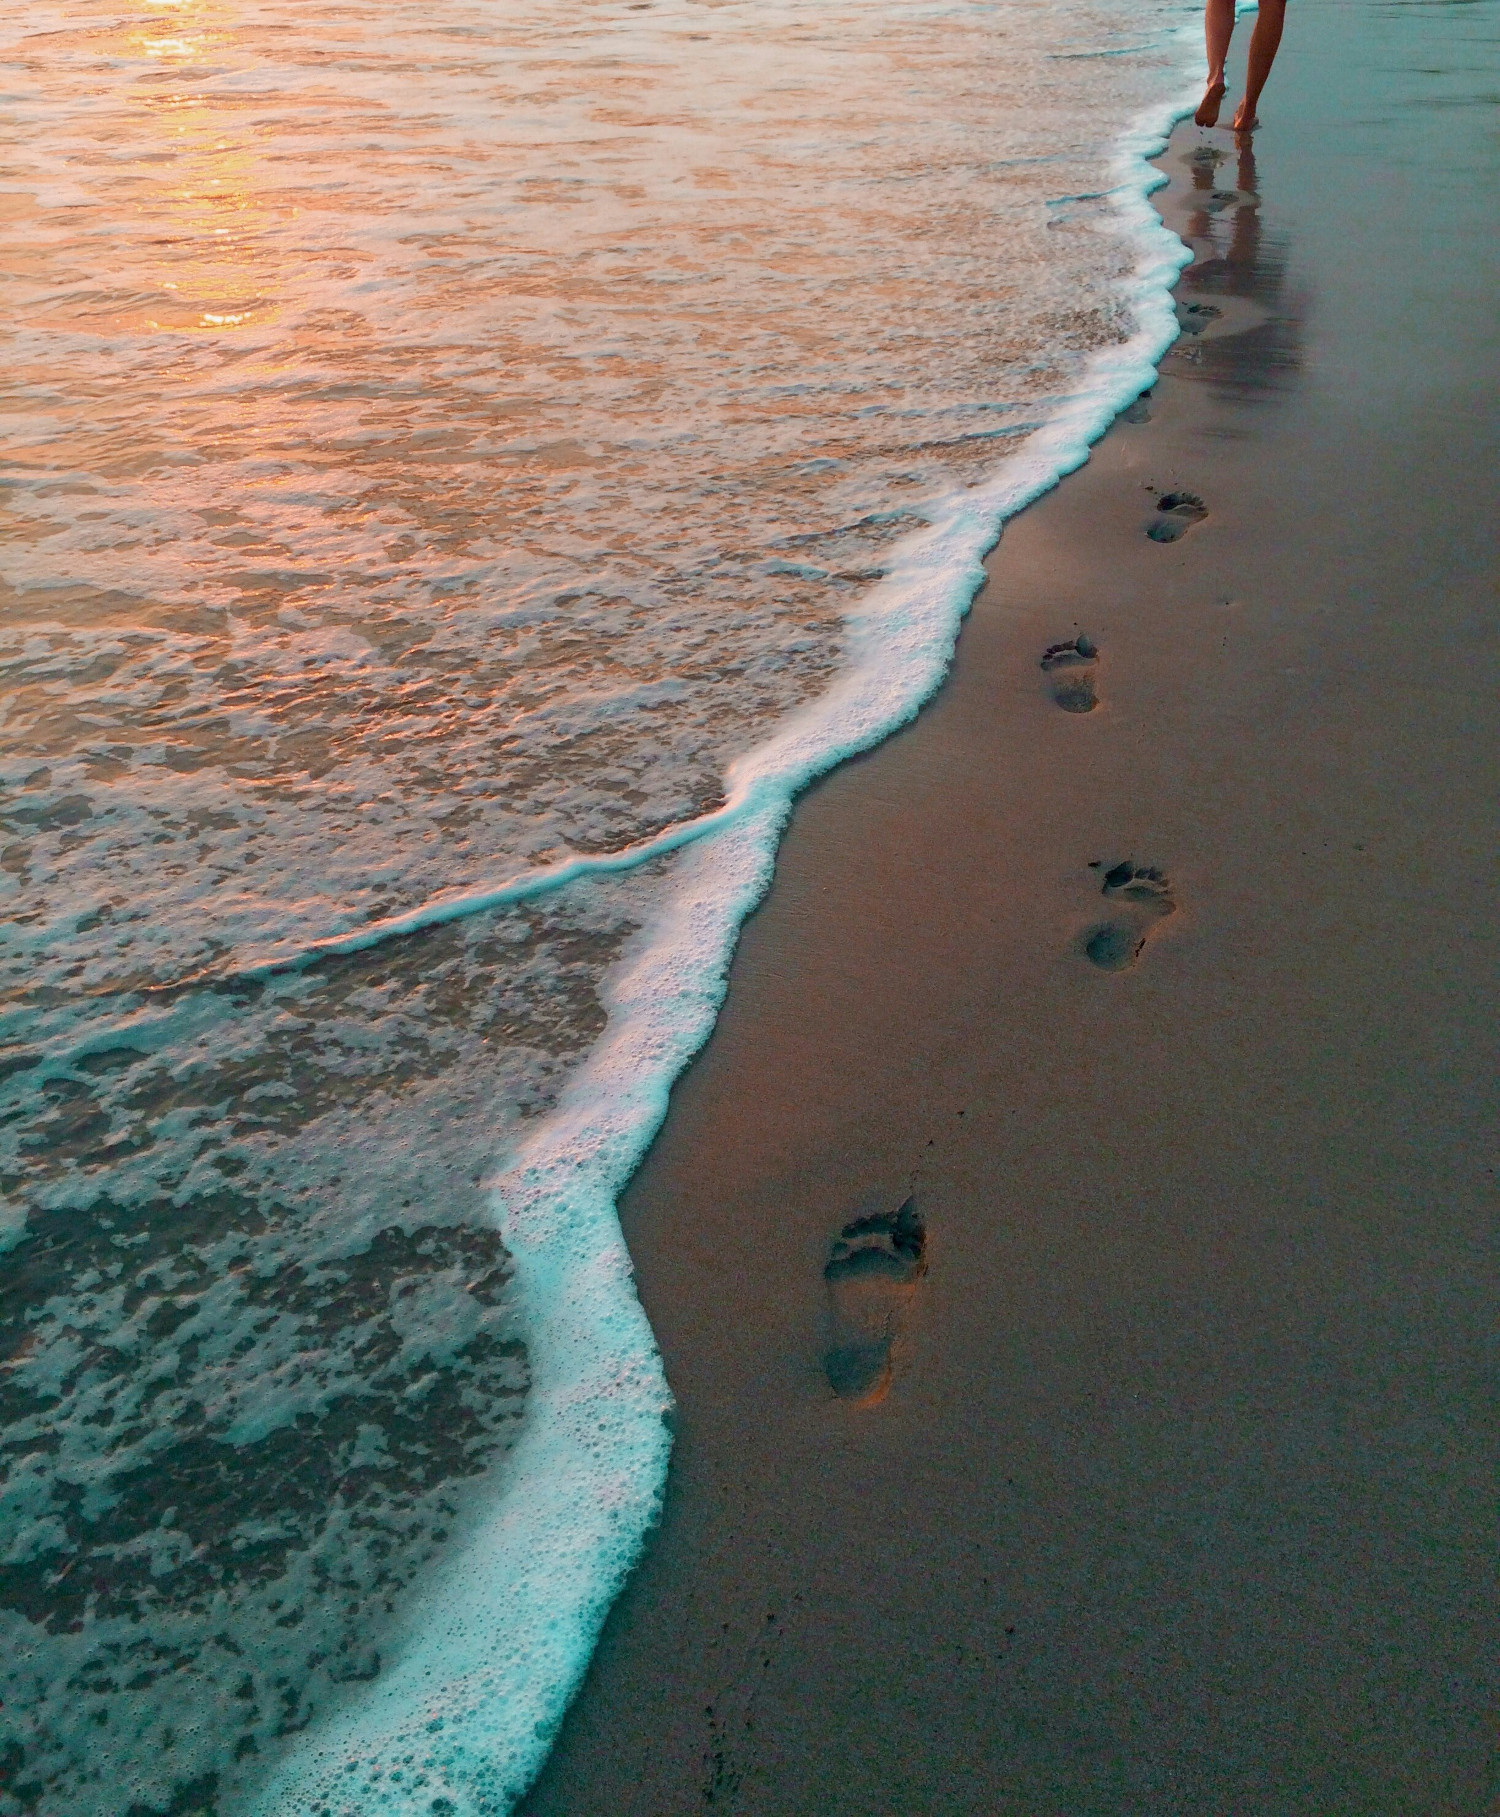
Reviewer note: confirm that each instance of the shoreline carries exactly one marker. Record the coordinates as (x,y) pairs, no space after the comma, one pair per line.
(1177,1499)
(1201,1330)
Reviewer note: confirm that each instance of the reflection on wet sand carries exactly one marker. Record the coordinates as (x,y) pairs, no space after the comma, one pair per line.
(1242,323)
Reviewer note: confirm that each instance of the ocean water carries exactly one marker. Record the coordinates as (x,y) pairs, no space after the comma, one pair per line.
(464,468)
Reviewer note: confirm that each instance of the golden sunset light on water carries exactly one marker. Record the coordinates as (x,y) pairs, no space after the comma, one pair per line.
(202,224)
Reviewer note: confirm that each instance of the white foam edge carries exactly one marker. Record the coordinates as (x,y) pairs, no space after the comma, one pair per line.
(462,1720)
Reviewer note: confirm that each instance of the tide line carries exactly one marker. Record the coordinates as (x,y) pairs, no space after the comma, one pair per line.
(524,887)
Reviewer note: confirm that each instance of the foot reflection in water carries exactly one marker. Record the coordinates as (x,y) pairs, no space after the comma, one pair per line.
(1242,323)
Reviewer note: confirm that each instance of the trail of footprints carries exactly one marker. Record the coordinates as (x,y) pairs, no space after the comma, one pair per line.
(1139,894)
(876,1262)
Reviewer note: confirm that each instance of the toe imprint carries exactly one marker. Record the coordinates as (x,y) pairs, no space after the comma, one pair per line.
(1146,883)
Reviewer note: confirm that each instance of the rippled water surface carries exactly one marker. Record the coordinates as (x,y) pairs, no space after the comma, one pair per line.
(437,439)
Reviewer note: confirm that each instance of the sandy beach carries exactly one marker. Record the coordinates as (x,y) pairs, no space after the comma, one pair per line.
(1181,1499)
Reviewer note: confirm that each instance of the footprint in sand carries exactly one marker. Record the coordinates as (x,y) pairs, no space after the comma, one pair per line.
(1072,668)
(1193,318)
(1145,897)
(871,1275)
(1176,513)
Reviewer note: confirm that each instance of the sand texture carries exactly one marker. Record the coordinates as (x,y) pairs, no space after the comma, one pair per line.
(1161,973)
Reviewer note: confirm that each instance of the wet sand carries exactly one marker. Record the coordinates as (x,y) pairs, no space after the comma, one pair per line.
(1181,1499)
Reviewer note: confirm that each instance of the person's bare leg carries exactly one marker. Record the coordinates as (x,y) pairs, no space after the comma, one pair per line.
(1218,29)
(1263,42)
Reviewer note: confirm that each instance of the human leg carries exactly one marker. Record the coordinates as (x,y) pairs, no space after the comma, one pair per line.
(1263,42)
(1218,29)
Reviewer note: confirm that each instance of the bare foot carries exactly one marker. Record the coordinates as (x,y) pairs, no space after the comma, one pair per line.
(1244,120)
(1208,107)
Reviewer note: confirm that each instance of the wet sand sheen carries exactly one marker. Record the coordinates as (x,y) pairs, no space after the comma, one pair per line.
(1177,1501)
